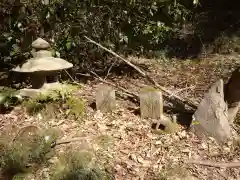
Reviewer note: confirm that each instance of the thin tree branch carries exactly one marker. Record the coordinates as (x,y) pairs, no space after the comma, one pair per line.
(66,141)
(215,164)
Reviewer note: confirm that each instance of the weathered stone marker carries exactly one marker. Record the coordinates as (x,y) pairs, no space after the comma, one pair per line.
(232,95)
(151,103)
(211,115)
(105,99)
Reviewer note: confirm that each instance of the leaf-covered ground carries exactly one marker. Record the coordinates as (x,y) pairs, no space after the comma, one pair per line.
(125,142)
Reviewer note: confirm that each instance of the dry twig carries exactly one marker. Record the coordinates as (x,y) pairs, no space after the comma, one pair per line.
(66,141)
(183,89)
(74,82)
(215,164)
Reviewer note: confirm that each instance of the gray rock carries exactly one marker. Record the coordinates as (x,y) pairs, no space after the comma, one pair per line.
(167,124)
(211,115)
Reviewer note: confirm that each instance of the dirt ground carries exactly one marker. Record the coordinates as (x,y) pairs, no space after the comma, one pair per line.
(126,142)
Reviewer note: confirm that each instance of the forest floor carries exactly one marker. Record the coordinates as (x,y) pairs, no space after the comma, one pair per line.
(125,141)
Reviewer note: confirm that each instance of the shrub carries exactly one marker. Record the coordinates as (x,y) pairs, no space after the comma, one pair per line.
(58,98)
(77,166)
(120,25)
(24,151)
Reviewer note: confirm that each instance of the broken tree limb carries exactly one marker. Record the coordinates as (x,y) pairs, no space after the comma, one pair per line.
(115,54)
(166,92)
(66,141)
(215,164)
(183,89)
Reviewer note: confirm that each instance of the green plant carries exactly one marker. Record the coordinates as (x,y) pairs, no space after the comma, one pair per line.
(76,106)
(33,106)
(9,97)
(77,166)
(23,176)
(171,173)
(23,152)
(14,158)
(225,44)
(104,141)
(57,97)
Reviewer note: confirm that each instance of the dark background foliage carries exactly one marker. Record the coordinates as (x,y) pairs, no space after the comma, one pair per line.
(148,28)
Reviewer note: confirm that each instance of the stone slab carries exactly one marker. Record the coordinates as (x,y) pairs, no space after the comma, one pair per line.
(211,115)
(105,99)
(151,103)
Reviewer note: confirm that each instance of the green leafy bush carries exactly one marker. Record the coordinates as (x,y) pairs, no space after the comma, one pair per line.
(120,25)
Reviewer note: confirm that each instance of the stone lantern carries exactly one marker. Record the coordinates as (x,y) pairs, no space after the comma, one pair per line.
(42,69)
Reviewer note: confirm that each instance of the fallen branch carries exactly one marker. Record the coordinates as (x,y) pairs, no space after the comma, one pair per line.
(168,93)
(215,164)
(73,81)
(115,54)
(66,141)
(183,89)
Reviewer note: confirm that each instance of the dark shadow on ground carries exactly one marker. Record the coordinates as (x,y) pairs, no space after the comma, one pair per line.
(184,117)
(13,79)
(5,110)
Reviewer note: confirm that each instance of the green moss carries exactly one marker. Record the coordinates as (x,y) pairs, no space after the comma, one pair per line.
(23,176)
(172,173)
(104,141)
(51,102)
(9,97)
(148,89)
(21,154)
(77,166)
(76,106)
